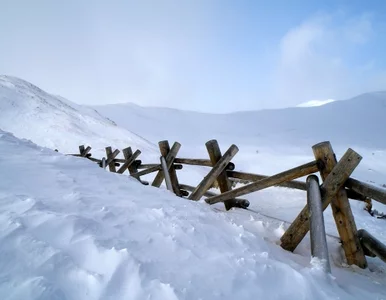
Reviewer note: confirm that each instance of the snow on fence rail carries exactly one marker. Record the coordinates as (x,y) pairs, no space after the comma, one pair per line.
(336,189)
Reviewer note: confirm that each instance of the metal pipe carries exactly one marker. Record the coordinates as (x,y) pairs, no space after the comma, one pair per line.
(372,244)
(166,174)
(317,231)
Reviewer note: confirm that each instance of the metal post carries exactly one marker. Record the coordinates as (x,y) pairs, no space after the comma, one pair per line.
(372,244)
(166,174)
(317,232)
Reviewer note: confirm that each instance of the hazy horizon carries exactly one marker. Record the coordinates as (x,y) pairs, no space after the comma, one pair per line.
(207,56)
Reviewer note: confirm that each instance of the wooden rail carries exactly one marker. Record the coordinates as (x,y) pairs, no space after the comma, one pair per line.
(336,189)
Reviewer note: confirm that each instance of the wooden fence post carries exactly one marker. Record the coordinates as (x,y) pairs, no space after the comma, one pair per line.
(110,158)
(334,181)
(165,170)
(341,209)
(209,179)
(223,182)
(333,186)
(129,162)
(83,152)
(170,155)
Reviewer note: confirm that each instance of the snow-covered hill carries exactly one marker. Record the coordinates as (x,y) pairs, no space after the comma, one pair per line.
(70,230)
(355,122)
(54,122)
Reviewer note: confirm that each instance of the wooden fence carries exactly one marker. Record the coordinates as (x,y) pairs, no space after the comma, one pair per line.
(336,189)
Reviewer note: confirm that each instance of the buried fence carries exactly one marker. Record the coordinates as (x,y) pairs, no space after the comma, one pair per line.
(337,187)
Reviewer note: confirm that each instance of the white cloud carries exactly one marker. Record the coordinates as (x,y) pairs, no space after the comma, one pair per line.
(314,60)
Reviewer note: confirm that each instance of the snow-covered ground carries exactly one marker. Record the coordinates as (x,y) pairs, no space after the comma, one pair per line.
(54,122)
(70,230)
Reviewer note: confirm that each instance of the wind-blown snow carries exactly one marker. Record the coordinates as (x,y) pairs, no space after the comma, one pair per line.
(90,234)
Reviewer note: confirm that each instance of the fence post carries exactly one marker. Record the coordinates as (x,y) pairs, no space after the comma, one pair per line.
(164,167)
(317,231)
(341,209)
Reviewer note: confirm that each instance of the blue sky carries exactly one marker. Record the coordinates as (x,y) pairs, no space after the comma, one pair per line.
(203,55)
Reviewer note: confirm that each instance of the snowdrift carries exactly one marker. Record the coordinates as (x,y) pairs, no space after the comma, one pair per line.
(70,230)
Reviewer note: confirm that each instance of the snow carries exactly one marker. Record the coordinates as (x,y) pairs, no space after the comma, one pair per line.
(71,230)
(313,103)
(28,112)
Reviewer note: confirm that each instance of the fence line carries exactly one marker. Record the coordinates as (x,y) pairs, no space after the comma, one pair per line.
(336,189)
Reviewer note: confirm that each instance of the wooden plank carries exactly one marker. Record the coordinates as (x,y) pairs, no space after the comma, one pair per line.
(367,190)
(81,149)
(165,149)
(211,177)
(165,170)
(169,161)
(373,246)
(110,157)
(299,185)
(294,173)
(331,188)
(201,162)
(224,184)
(146,166)
(293,184)
(340,205)
(242,203)
(129,162)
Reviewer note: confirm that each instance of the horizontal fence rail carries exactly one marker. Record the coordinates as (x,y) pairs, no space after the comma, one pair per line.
(337,187)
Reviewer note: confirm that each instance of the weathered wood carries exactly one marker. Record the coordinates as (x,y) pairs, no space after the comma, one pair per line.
(146,166)
(372,244)
(331,188)
(153,169)
(210,178)
(367,190)
(340,205)
(224,184)
(242,203)
(294,173)
(169,161)
(165,149)
(103,163)
(201,162)
(81,149)
(110,158)
(294,184)
(299,185)
(299,228)
(129,162)
(165,170)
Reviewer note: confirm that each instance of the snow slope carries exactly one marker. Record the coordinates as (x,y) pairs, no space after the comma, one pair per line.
(54,122)
(355,122)
(76,231)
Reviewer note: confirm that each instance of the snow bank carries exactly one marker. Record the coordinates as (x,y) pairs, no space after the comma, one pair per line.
(70,230)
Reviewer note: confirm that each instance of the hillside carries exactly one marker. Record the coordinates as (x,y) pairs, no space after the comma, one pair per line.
(54,122)
(111,238)
(354,122)
(70,230)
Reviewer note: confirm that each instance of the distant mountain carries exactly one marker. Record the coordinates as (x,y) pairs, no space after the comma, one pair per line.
(359,121)
(54,122)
